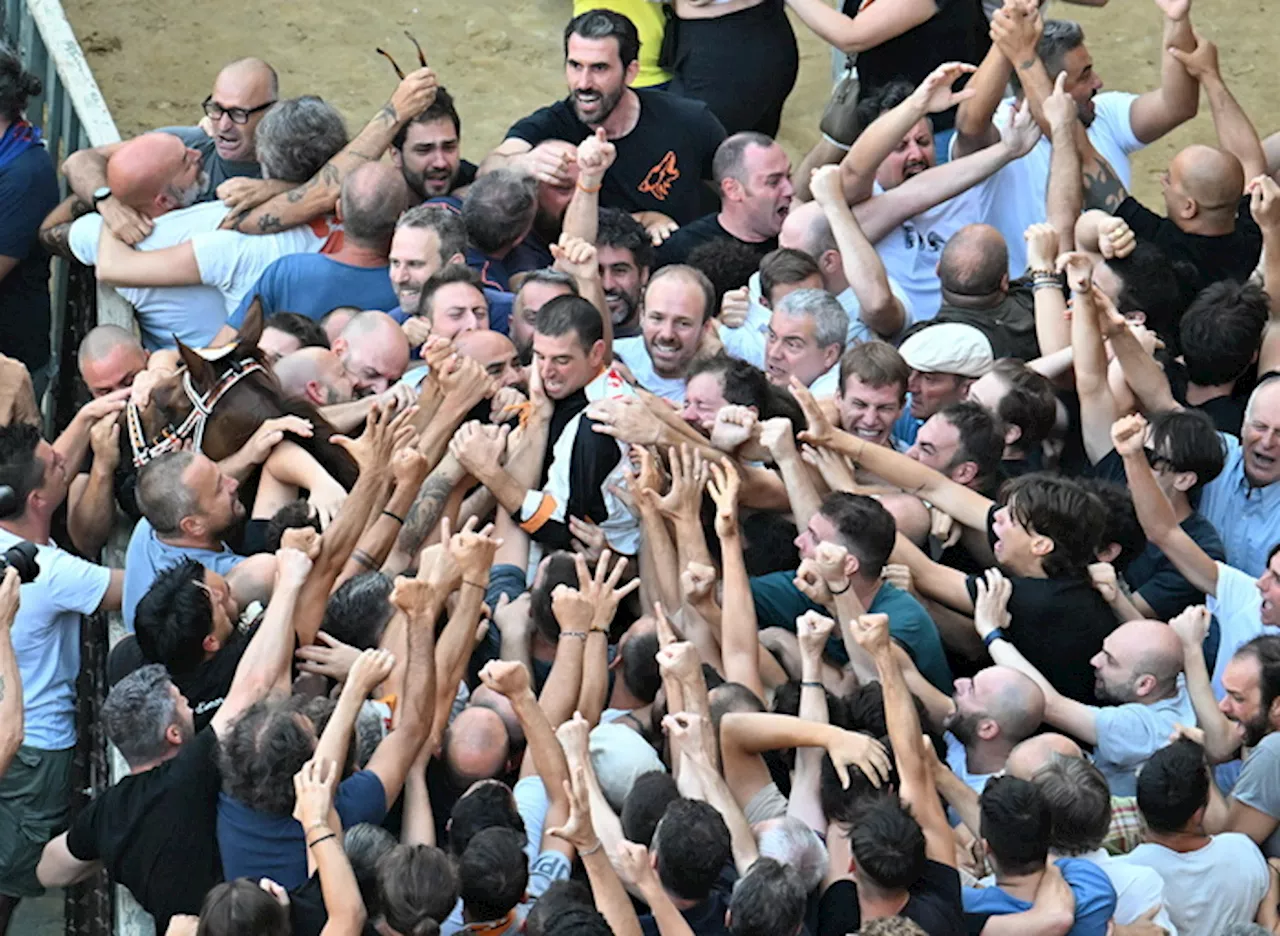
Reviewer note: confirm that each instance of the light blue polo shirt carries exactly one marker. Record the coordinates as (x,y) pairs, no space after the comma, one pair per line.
(148,556)
(1247,517)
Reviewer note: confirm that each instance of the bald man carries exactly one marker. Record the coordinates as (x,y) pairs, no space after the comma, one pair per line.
(316,375)
(1207,221)
(476,746)
(109,358)
(241,94)
(374,352)
(495,353)
(1027,758)
(357,274)
(1140,669)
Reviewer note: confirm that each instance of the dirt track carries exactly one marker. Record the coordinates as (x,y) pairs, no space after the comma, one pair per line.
(501,59)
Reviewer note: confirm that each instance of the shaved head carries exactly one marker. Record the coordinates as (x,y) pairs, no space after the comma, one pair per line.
(1212,177)
(1028,757)
(373,197)
(246,84)
(314,374)
(374,350)
(998,703)
(1140,661)
(476,745)
(807,230)
(484,697)
(155,173)
(109,358)
(974,261)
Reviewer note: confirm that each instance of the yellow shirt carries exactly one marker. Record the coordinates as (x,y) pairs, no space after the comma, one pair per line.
(650,22)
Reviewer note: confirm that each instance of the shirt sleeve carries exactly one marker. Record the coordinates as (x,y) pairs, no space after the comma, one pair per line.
(21,211)
(1259,783)
(1146,224)
(82,238)
(1126,734)
(261,290)
(538,126)
(1113,117)
(216,256)
(361,798)
(1236,603)
(81,840)
(550,866)
(73,584)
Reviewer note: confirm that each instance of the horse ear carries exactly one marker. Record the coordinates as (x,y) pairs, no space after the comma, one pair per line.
(250,328)
(201,370)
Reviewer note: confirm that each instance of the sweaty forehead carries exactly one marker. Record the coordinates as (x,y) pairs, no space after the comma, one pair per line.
(241,87)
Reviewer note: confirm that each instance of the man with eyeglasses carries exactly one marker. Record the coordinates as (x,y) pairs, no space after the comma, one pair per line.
(242,92)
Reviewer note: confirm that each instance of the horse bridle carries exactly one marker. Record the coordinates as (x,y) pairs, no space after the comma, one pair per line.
(192,428)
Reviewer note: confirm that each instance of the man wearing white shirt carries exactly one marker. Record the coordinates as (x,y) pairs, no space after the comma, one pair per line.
(1115,123)
(805,340)
(678,302)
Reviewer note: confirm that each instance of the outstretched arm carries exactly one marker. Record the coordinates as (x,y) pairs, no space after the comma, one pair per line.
(1089,358)
(1177,99)
(1264,205)
(1236,133)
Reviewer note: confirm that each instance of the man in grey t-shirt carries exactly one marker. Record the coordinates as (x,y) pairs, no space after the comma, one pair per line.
(225,139)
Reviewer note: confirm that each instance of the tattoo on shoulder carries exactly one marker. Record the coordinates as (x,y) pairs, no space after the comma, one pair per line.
(56,240)
(1102,187)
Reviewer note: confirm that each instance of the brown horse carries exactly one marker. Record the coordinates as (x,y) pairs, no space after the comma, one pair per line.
(234,408)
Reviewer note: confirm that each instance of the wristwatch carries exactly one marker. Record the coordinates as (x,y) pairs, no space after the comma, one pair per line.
(100,195)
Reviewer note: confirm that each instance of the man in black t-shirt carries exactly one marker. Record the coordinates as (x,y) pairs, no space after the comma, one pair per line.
(665,144)
(753,175)
(155,830)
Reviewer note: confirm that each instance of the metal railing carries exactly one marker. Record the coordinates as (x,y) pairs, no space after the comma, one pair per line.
(73,115)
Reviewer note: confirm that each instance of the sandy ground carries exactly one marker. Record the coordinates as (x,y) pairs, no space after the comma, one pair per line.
(156,59)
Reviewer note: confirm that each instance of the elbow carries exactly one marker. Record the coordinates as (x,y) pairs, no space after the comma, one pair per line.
(885,317)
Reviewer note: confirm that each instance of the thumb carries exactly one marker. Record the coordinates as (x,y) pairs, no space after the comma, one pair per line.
(1151,914)
(1178,54)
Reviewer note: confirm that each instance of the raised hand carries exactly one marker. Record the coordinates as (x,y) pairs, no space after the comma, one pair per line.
(698,582)
(506,677)
(551,165)
(313,788)
(572,608)
(415,93)
(666,633)
(1176,10)
(689,731)
(836,469)
(779,437)
(819,430)
(899,576)
(852,748)
(595,155)
(1191,626)
(383,434)
(991,605)
(733,427)
(935,95)
(1016,32)
(1042,246)
(438,567)
(292,567)
(1264,202)
(1129,435)
(679,661)
(832,562)
(603,591)
(812,631)
(689,475)
(635,867)
(871,631)
(104,440)
(1102,576)
(734,307)
(464,380)
(810,582)
(327,657)
(723,488)
(304,539)
(479,447)
(1115,238)
(369,671)
(1079,269)
(574,736)
(577,829)
(627,419)
(473,549)
(825,185)
(588,538)
(1020,133)
(409,467)
(576,257)
(1059,107)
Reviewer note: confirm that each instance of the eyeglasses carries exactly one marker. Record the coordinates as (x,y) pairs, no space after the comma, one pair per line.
(422,56)
(238,115)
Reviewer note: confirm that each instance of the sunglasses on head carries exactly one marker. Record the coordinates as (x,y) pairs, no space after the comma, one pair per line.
(422,56)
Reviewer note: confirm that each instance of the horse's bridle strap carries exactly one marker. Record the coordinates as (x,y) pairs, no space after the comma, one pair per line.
(194,425)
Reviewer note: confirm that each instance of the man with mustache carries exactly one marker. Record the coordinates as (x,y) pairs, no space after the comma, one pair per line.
(626,257)
(753,175)
(427,151)
(665,144)
(677,306)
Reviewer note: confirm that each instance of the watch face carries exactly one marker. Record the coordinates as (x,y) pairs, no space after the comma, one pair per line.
(100,194)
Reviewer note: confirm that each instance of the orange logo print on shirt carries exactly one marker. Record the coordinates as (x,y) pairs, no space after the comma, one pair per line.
(657,182)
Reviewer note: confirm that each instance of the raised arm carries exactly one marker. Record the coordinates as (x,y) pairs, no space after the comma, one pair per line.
(1236,133)
(1089,358)
(92,512)
(739,636)
(757,732)
(1177,99)
(805,801)
(714,789)
(974,126)
(915,776)
(1155,513)
(1264,205)
(370,669)
(318,195)
(1065,196)
(582,218)
(1053,330)
(313,788)
(1222,737)
(880,310)
(409,471)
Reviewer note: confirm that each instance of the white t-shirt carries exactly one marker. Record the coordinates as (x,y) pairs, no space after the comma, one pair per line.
(193,313)
(632,352)
(828,385)
(911,251)
(46,641)
(1237,603)
(1206,889)
(1023,183)
(958,761)
(1138,889)
(232,262)
(1129,734)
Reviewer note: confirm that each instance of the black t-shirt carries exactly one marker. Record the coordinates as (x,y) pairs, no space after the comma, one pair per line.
(1058,625)
(933,903)
(678,246)
(958,32)
(1227,412)
(705,918)
(1223,257)
(207,685)
(156,831)
(660,164)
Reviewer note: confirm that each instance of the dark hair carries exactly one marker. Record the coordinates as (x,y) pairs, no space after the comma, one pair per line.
(442,108)
(484,806)
(1189,440)
(137,714)
(618,229)
(1265,649)
(20,468)
(746,385)
(1062,510)
(888,843)
(499,208)
(365,844)
(565,314)
(865,528)
(844,804)
(306,330)
(726,263)
(1147,287)
(17,85)
(1079,804)
(417,887)
(265,747)
(606,24)
(578,921)
(784,267)
(876,364)
(768,542)
(981,440)
(645,805)
(451,233)
(1121,525)
(446,275)
(1016,824)
(730,155)
(768,900)
(493,873)
(692,847)
(560,569)
(640,666)
(1221,331)
(729,697)
(358,612)
(561,897)
(1173,784)
(880,100)
(233,908)
(1028,402)
(174,617)
(295,515)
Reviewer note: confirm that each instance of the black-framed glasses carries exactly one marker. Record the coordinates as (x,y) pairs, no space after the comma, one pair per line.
(238,115)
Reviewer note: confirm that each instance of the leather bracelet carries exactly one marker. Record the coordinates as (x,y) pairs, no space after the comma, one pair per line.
(399,520)
(323,838)
(847,585)
(1034,272)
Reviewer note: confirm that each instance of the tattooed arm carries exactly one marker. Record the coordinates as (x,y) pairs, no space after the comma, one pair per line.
(56,228)
(424,514)
(317,196)
(1102,187)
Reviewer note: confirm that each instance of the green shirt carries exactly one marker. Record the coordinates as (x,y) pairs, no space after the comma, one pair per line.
(778,603)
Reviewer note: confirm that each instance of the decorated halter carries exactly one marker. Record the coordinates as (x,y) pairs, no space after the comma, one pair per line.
(193,426)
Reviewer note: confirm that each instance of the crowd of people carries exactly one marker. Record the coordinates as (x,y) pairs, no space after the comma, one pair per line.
(639,533)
